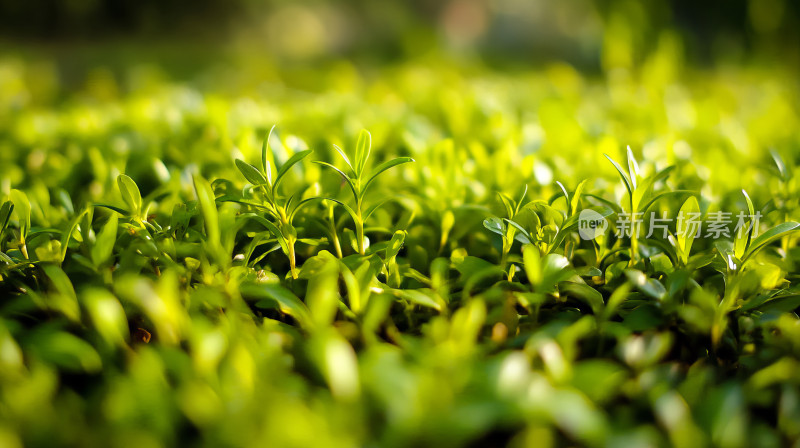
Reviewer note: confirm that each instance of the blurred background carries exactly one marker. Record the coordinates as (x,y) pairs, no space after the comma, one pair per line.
(544,78)
(488,96)
(594,36)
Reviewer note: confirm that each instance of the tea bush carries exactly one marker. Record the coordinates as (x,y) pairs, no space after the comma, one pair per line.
(177,272)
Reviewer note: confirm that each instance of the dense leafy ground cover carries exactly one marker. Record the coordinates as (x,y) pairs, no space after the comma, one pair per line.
(172,276)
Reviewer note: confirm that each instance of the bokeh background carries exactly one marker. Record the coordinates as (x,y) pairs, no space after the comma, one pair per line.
(595,36)
(487,96)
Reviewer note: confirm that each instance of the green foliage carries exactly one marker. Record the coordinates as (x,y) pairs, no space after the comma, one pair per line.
(359,183)
(219,302)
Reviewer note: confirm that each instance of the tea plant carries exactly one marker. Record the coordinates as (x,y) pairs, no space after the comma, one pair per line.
(158,289)
(280,209)
(358,181)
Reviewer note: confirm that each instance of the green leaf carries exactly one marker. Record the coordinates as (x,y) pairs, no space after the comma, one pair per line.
(742,237)
(362,151)
(322,292)
(383,167)
(347,208)
(576,197)
(770,235)
(66,351)
(532,262)
(286,166)
(22,207)
(250,172)
(523,232)
(617,298)
(750,207)
(663,195)
(344,157)
(645,189)
(507,203)
(375,207)
(566,195)
(104,245)
(336,362)
(781,304)
(584,292)
(521,198)
(66,301)
(555,269)
(287,302)
(107,315)
(625,179)
(300,205)
(422,297)
(208,208)
(265,167)
(782,170)
(5,215)
(273,229)
(633,167)
(649,286)
(686,240)
(66,236)
(395,244)
(495,225)
(130,194)
(113,208)
(342,173)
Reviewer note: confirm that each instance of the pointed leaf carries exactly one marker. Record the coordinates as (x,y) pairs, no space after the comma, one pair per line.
(265,167)
(344,156)
(521,198)
(663,195)
(522,231)
(645,189)
(395,244)
(780,165)
(250,172)
(495,225)
(422,297)
(622,174)
(532,262)
(130,193)
(770,235)
(287,302)
(346,207)
(633,167)
(22,208)
(750,207)
(113,208)
(104,244)
(584,292)
(5,215)
(300,205)
(685,240)
(345,176)
(362,151)
(576,197)
(375,207)
(385,166)
(564,191)
(508,204)
(273,229)
(742,237)
(286,166)
(208,208)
